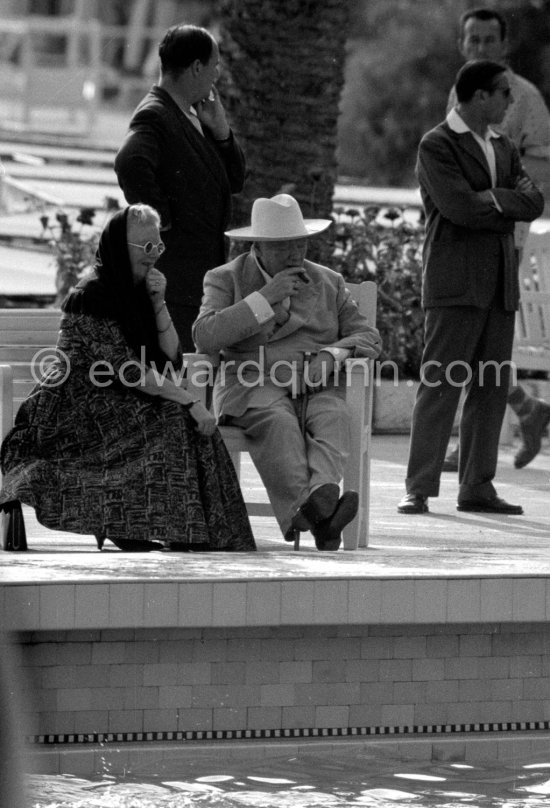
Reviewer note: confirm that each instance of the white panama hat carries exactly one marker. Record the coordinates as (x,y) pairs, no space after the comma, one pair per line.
(278,219)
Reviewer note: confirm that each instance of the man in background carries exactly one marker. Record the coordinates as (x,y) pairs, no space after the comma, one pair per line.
(181,157)
(483,35)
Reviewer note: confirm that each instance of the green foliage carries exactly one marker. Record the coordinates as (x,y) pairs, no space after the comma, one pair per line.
(402,62)
(73,245)
(396,90)
(386,247)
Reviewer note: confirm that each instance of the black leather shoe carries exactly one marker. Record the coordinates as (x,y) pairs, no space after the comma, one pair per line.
(320,505)
(451,461)
(532,427)
(328,533)
(413,503)
(493,505)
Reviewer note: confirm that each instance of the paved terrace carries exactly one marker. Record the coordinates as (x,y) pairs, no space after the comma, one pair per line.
(445,566)
(441,625)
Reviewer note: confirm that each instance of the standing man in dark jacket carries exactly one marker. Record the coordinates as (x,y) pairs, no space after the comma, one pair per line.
(483,35)
(474,190)
(180,157)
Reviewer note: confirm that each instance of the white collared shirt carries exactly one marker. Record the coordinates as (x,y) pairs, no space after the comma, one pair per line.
(459,125)
(527,123)
(192,116)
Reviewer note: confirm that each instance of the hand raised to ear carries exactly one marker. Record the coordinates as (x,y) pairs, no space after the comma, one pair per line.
(211,113)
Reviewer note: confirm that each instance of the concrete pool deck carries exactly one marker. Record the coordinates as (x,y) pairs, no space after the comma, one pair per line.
(439,631)
(443,566)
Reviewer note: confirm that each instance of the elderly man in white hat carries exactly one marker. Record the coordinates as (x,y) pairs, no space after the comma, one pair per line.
(283,326)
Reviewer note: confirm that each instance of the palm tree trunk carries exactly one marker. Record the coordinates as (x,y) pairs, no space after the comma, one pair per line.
(282,78)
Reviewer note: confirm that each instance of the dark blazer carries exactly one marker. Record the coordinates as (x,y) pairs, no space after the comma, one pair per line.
(469,243)
(189,178)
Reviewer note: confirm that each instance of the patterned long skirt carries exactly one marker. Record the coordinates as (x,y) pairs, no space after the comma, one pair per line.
(117,463)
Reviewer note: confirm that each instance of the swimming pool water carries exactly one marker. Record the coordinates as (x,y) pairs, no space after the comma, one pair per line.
(309,780)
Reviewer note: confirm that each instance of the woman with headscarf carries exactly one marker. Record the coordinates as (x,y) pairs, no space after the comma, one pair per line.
(110,443)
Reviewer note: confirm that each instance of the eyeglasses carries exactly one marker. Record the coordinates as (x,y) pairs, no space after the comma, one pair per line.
(148,247)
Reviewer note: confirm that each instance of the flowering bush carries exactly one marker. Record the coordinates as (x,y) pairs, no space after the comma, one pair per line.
(73,245)
(383,246)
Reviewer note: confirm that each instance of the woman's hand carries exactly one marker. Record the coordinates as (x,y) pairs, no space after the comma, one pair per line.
(155,283)
(206,423)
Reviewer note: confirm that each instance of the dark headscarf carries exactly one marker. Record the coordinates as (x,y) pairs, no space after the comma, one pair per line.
(109,292)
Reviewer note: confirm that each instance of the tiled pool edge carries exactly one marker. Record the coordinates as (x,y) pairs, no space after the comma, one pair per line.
(135,758)
(235,656)
(295,601)
(269,681)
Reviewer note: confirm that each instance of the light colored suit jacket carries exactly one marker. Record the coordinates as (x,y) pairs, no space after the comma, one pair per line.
(262,362)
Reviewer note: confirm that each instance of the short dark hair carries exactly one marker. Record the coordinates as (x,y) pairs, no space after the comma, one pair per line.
(483,14)
(182,45)
(478,74)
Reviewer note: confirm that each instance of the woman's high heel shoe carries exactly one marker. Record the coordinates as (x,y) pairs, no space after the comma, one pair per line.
(14,536)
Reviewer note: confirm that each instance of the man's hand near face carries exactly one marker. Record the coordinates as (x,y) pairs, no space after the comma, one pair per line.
(284,284)
(211,114)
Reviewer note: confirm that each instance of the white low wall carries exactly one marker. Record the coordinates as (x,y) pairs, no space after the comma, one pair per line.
(393,403)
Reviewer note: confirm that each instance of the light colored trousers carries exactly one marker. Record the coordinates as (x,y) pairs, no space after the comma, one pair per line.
(290,464)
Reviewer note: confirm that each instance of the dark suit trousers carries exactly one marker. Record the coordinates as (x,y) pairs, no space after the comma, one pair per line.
(458,341)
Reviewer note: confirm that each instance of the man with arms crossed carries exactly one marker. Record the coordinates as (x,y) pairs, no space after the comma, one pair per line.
(473,189)
(483,35)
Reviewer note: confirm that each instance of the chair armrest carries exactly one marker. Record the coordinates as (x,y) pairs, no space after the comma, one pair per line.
(359,389)
(201,372)
(357,362)
(6,399)
(358,369)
